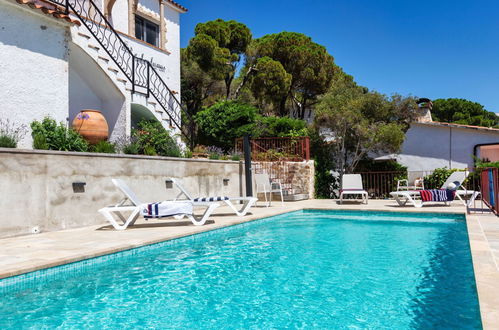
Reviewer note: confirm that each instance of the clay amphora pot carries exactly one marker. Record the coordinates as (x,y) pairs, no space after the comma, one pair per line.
(92,125)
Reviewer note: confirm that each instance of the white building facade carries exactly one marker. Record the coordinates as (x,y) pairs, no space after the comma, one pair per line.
(430,145)
(121,57)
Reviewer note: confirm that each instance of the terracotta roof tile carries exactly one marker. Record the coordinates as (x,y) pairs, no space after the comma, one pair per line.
(176,4)
(48,9)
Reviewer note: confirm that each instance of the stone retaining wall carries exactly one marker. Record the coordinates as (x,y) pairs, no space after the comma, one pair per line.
(36,187)
(297,177)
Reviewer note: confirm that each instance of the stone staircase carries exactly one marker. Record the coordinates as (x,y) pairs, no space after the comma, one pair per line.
(134,76)
(82,38)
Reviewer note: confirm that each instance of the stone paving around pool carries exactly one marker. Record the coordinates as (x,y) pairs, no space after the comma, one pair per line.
(23,254)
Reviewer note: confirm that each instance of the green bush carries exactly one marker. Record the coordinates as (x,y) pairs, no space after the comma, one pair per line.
(235,157)
(40,142)
(131,148)
(325,182)
(10,133)
(280,127)
(481,164)
(153,139)
(150,151)
(437,178)
(214,152)
(222,123)
(104,147)
(7,141)
(50,135)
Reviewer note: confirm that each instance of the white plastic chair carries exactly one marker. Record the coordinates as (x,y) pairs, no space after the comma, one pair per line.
(414,181)
(351,184)
(131,203)
(264,185)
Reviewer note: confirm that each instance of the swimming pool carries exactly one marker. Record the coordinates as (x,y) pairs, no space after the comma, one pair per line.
(305,269)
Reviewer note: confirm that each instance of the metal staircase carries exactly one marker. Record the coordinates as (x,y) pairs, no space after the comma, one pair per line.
(142,75)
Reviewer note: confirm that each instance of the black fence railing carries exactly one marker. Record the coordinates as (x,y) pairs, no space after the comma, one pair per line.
(138,71)
(380,184)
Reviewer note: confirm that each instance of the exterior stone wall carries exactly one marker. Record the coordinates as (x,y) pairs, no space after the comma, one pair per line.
(296,177)
(37,186)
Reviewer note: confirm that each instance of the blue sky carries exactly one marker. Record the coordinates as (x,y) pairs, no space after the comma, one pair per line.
(435,49)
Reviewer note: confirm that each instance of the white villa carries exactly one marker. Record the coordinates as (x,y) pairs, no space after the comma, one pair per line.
(429,145)
(122,57)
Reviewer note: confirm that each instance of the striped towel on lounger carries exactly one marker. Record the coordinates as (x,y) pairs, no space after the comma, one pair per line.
(165,209)
(211,199)
(437,195)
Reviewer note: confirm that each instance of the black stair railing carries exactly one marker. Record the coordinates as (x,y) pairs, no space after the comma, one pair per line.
(138,71)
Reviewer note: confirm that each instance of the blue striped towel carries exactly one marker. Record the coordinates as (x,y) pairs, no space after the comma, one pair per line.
(211,199)
(165,209)
(437,195)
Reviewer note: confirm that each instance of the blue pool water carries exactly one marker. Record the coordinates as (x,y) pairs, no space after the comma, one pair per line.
(307,269)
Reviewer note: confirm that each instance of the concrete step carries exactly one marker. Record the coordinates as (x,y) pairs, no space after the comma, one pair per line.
(295,197)
(102,58)
(94,47)
(114,70)
(121,80)
(84,35)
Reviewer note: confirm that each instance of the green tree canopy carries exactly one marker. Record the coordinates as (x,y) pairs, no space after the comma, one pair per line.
(271,83)
(217,48)
(362,122)
(307,63)
(461,111)
(198,87)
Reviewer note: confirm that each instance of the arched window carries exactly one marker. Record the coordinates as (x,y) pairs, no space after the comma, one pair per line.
(108,9)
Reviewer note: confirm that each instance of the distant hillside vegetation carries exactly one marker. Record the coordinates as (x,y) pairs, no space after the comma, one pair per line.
(461,111)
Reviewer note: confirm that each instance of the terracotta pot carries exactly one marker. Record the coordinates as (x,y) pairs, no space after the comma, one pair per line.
(92,125)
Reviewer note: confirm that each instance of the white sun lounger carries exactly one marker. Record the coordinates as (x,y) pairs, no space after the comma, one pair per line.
(457,178)
(247,201)
(130,203)
(351,184)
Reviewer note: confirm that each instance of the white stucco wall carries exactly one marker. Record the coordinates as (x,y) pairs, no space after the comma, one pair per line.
(150,5)
(119,16)
(32,46)
(172,19)
(81,96)
(427,147)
